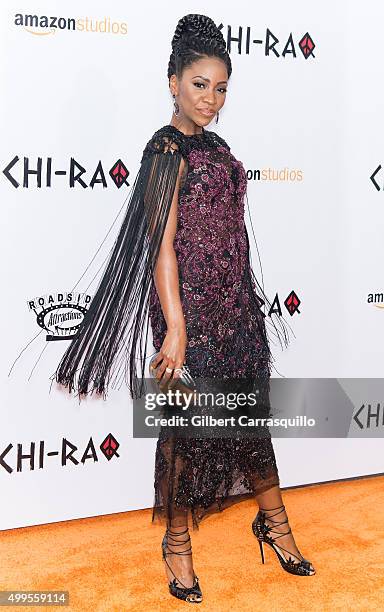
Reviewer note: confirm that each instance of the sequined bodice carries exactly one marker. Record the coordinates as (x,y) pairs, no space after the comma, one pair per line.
(210,243)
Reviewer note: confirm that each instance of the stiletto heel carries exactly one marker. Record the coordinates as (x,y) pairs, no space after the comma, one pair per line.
(261,551)
(191,594)
(263,532)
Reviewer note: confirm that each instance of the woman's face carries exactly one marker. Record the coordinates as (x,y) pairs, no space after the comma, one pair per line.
(200,92)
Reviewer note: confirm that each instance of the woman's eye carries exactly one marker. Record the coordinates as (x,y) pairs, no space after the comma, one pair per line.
(202,85)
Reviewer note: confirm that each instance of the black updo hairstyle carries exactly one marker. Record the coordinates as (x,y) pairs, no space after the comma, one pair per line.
(196,36)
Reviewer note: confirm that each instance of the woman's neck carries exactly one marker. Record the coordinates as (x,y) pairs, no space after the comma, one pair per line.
(189,128)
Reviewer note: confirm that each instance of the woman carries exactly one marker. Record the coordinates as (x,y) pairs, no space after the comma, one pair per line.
(182,261)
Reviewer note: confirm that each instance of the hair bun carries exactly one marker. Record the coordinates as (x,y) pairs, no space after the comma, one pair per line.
(196,36)
(196,26)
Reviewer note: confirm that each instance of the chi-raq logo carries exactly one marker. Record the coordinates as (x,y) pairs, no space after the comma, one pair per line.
(377,178)
(41,172)
(34,456)
(60,314)
(243,38)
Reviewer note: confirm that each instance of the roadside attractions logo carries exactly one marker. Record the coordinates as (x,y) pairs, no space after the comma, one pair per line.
(60,314)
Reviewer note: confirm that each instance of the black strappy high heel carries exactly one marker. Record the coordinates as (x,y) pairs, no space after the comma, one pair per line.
(293,564)
(191,594)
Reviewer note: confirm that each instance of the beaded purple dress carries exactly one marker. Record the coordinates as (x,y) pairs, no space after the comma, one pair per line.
(225,329)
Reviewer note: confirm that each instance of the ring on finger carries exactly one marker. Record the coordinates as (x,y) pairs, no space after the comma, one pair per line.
(169,370)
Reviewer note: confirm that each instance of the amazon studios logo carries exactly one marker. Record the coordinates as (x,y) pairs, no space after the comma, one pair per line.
(44,24)
(39,173)
(243,39)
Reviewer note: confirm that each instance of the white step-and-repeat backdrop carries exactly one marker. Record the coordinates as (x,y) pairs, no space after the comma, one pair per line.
(84,86)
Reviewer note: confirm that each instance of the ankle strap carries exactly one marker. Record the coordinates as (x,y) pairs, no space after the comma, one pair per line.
(279,509)
(170,536)
(277,523)
(271,509)
(177,532)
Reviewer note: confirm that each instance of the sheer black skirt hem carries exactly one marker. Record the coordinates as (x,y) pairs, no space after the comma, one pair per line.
(192,512)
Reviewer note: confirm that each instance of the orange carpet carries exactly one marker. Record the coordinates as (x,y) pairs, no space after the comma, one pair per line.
(113,563)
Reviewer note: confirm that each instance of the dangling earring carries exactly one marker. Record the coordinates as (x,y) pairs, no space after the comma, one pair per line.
(176,107)
(217,117)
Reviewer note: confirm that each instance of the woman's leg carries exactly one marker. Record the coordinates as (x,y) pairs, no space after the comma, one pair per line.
(271,503)
(178,561)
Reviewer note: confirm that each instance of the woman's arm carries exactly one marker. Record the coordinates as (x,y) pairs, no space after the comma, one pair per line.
(166,278)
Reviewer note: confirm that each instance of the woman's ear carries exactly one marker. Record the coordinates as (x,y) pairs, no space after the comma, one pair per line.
(173,85)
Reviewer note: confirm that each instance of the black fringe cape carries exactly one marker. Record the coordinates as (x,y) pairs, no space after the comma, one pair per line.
(115,327)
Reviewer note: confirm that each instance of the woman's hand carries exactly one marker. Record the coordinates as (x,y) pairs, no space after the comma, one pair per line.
(171,354)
